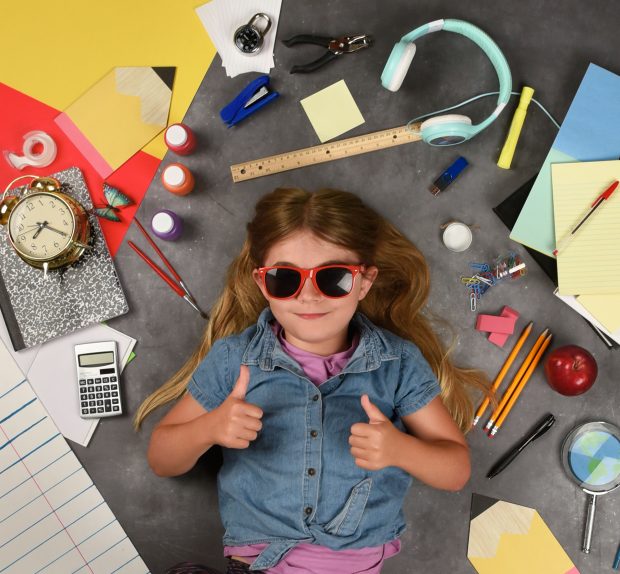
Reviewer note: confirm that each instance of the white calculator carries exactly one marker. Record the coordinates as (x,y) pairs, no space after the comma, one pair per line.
(98,380)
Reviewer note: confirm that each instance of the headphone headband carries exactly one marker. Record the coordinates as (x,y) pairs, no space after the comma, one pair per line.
(479,37)
(402,55)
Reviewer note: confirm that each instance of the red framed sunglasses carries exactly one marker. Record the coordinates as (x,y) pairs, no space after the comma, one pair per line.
(332,281)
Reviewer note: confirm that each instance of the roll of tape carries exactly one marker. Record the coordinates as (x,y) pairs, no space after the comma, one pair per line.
(32,139)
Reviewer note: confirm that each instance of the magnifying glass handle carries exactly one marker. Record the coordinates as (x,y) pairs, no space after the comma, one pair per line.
(587,533)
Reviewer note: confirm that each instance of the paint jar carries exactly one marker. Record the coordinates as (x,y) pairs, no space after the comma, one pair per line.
(177,179)
(457,236)
(180,139)
(167,225)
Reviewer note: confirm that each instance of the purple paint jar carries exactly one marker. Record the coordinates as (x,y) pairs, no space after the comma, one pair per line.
(167,225)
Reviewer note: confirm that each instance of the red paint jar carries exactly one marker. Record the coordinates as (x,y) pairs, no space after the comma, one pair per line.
(180,139)
(177,179)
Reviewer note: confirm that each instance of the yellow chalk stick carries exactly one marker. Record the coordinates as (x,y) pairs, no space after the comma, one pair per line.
(505,158)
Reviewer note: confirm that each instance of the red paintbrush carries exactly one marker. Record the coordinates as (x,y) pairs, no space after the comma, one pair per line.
(177,286)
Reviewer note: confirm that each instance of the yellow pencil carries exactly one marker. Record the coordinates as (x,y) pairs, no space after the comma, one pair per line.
(520,387)
(500,376)
(516,379)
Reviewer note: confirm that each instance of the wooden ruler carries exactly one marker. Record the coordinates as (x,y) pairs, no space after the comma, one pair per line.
(325,152)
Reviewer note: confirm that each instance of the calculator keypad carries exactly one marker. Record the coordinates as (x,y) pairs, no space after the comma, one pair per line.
(99,397)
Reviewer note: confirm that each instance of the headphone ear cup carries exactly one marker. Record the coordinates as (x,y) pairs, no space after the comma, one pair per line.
(446,130)
(397,66)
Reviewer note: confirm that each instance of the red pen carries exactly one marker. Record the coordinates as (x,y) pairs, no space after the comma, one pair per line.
(597,203)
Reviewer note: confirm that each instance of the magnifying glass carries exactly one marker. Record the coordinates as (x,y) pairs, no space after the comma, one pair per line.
(591,458)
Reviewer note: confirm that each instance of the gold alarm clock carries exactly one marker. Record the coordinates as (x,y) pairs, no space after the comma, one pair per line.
(47,227)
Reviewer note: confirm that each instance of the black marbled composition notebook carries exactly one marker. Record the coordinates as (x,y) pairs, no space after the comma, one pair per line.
(37,309)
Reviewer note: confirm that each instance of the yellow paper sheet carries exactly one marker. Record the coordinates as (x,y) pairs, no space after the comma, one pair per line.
(590,263)
(121,113)
(332,111)
(605,308)
(55,51)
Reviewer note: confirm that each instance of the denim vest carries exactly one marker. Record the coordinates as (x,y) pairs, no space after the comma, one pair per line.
(298,482)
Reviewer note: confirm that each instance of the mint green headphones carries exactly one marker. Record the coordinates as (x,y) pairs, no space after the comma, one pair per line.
(449,129)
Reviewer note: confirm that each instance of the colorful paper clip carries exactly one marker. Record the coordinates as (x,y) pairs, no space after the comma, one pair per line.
(252,98)
(509,266)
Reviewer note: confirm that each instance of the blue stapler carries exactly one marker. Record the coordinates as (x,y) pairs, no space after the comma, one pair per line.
(253,97)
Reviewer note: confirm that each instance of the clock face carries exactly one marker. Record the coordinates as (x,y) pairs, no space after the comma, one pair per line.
(41,226)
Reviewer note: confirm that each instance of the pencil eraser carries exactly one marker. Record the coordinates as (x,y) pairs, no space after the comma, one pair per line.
(495,324)
(498,339)
(509,312)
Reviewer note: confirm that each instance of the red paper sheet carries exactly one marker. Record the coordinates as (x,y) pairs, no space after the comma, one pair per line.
(20,114)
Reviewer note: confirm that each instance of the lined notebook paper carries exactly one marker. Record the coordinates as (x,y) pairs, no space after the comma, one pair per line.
(590,264)
(590,132)
(53,520)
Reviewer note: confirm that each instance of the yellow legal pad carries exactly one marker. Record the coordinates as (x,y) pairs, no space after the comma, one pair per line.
(590,264)
(506,538)
(604,307)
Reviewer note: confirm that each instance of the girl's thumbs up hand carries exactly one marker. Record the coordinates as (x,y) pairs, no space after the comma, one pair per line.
(375,416)
(374,444)
(238,421)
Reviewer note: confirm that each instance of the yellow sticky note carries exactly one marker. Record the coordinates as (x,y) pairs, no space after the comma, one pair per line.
(332,111)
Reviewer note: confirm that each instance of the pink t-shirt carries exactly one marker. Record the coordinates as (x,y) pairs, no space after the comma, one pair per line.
(312,558)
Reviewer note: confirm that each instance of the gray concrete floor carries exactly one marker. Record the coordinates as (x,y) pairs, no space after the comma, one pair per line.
(549,46)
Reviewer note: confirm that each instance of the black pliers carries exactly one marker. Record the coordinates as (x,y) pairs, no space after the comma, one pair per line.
(335,47)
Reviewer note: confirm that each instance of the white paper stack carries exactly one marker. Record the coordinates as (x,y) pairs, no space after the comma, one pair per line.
(605,334)
(52,517)
(221,19)
(50,369)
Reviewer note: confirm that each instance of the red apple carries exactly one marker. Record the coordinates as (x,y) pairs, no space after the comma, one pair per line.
(570,370)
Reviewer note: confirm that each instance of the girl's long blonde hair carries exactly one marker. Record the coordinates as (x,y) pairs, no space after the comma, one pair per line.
(395,301)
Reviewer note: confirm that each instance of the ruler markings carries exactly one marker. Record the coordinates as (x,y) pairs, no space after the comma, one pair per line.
(323,153)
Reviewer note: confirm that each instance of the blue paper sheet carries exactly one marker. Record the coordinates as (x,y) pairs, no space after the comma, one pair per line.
(590,131)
